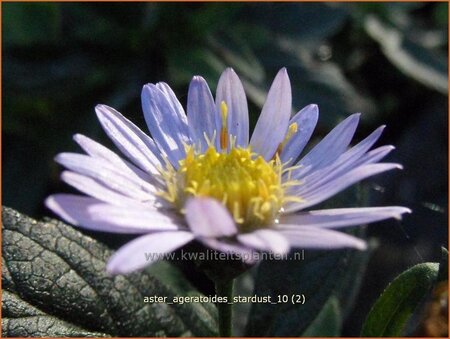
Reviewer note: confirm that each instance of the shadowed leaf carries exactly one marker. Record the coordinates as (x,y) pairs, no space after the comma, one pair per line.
(395,306)
(53,272)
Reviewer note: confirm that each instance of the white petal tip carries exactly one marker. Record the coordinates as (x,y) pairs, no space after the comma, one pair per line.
(103,111)
(50,202)
(60,157)
(148,92)
(65,174)
(283,251)
(283,74)
(147,88)
(400,212)
(100,107)
(197,79)
(55,203)
(77,137)
(112,269)
(361,245)
(353,119)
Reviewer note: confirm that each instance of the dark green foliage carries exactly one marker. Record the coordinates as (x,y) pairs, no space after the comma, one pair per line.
(318,277)
(55,284)
(396,305)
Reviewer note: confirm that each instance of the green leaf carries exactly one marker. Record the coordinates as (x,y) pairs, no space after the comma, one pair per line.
(328,322)
(31,23)
(318,277)
(54,280)
(443,266)
(395,306)
(20,319)
(441,14)
(423,64)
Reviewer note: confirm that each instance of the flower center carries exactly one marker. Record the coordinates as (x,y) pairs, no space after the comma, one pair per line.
(250,187)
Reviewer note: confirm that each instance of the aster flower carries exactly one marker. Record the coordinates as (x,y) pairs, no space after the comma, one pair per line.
(200,177)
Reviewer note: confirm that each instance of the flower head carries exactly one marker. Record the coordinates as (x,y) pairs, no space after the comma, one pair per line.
(200,177)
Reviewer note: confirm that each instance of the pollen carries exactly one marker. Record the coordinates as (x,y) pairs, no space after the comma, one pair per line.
(247,185)
(224,130)
(293,128)
(250,187)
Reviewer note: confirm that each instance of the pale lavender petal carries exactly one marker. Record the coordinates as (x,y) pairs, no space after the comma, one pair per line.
(145,217)
(329,148)
(167,125)
(335,186)
(207,217)
(319,238)
(244,253)
(306,120)
(265,240)
(129,139)
(97,150)
(321,177)
(231,91)
(108,174)
(98,190)
(353,158)
(273,122)
(362,147)
(93,214)
(174,103)
(348,159)
(343,217)
(145,250)
(201,113)
(375,155)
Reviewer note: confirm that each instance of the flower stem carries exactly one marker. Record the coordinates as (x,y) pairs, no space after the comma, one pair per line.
(225,289)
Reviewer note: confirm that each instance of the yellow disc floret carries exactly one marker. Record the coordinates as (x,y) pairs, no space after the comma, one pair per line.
(248,186)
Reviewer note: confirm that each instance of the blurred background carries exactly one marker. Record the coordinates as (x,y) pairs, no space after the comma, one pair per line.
(386,60)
